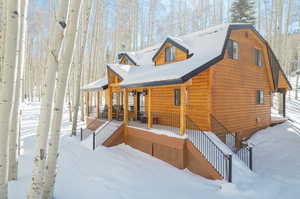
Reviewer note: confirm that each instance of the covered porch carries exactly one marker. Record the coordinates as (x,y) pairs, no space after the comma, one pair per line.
(135,108)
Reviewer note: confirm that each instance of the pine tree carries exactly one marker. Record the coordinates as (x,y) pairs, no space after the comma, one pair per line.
(243,11)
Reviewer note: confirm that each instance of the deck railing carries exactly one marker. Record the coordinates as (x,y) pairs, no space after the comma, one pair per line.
(165,121)
(213,154)
(246,155)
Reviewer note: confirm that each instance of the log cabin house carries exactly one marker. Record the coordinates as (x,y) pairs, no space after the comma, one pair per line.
(218,80)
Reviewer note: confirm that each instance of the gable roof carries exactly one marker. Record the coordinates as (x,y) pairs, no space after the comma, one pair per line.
(178,43)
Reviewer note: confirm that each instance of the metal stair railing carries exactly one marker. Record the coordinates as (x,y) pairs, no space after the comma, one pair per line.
(221,161)
(245,153)
(85,135)
(98,133)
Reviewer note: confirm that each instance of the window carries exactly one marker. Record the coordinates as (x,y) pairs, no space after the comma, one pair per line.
(258,57)
(233,49)
(259,97)
(170,53)
(177,97)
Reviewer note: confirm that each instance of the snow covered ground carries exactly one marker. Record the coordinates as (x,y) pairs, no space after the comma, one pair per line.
(123,172)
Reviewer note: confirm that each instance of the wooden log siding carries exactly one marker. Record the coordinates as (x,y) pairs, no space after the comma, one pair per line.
(234,86)
(197,107)
(179,55)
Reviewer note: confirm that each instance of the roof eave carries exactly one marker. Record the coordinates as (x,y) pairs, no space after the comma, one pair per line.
(154,83)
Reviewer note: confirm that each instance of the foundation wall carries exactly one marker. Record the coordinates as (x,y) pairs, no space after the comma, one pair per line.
(178,152)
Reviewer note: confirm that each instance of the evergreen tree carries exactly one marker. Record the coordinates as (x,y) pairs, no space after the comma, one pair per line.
(242,11)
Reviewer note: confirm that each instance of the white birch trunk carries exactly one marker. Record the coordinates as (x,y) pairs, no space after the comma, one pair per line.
(46,103)
(14,121)
(60,90)
(86,11)
(297,86)
(6,88)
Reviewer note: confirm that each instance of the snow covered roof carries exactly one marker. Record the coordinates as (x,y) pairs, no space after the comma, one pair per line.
(96,85)
(206,47)
(141,57)
(120,70)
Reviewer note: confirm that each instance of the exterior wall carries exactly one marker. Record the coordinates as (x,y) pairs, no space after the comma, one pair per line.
(234,86)
(199,100)
(178,152)
(160,59)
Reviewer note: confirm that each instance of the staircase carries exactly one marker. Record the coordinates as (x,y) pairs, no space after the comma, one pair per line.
(226,160)
(105,131)
(101,134)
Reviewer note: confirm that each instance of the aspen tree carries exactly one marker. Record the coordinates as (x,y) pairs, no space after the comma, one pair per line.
(14,120)
(6,87)
(60,89)
(56,37)
(86,12)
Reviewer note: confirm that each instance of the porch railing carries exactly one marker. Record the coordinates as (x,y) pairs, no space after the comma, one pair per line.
(164,121)
(213,154)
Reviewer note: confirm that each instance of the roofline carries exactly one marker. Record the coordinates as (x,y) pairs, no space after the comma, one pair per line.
(169,40)
(208,64)
(121,56)
(154,83)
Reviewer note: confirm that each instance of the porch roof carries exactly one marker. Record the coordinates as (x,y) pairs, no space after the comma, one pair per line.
(96,85)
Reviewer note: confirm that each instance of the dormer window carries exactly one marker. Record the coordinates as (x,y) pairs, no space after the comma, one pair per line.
(128,62)
(170,53)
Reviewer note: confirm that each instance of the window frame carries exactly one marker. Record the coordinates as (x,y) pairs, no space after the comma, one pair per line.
(177,97)
(260,97)
(258,60)
(172,51)
(234,55)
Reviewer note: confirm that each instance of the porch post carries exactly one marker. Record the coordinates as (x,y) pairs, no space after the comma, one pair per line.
(109,104)
(125,106)
(135,106)
(98,104)
(284,103)
(87,101)
(149,108)
(182,110)
(118,105)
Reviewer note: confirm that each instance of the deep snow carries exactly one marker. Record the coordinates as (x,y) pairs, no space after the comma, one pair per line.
(123,172)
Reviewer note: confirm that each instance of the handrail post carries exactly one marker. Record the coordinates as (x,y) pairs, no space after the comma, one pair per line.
(250,158)
(81,137)
(230,168)
(94,140)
